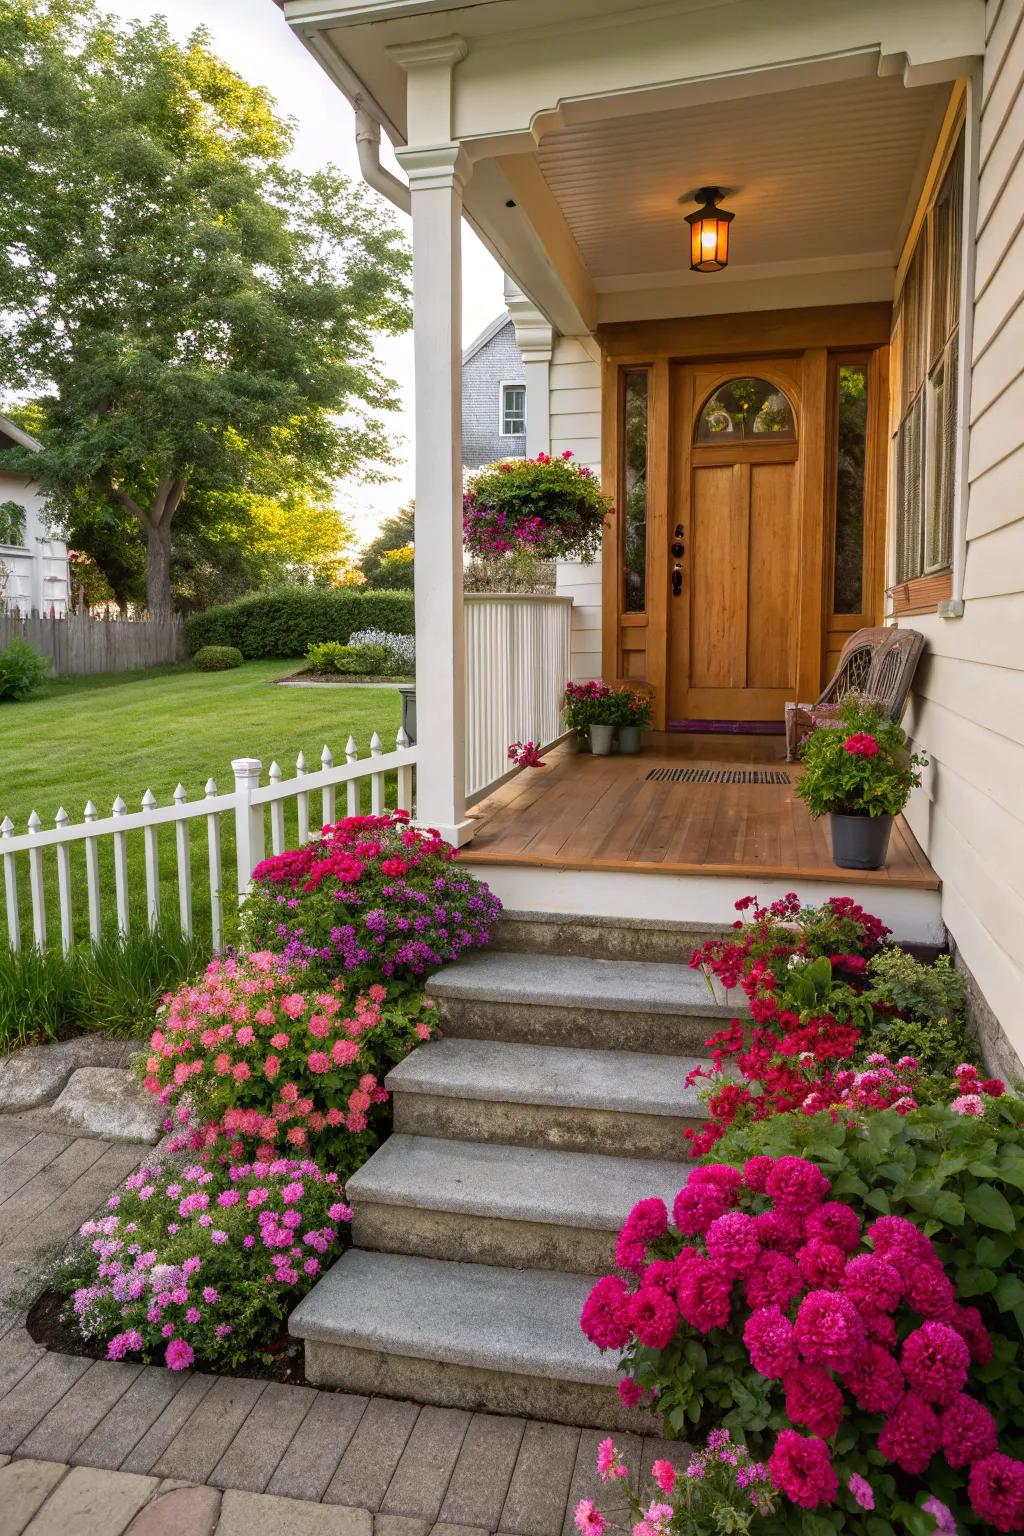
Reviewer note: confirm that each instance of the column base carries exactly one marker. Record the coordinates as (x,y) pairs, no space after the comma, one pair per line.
(457,833)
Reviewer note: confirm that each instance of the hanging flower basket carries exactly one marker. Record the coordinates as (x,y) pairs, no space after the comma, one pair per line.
(550,508)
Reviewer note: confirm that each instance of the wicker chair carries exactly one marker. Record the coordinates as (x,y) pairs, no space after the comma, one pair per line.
(877,664)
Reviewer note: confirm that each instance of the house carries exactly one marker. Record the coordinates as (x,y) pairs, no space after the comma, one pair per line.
(778,254)
(493,396)
(33,564)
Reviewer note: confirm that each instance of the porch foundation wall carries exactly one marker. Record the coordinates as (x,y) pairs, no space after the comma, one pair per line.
(575,403)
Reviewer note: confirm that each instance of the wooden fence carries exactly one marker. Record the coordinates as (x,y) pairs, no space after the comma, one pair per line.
(79,645)
(246,806)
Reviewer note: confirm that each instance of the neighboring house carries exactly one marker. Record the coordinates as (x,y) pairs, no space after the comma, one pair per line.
(33,565)
(493,396)
(826,433)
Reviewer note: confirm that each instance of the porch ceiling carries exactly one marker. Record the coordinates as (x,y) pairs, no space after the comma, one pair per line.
(823,175)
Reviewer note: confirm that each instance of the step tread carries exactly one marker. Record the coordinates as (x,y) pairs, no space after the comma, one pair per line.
(623,986)
(525,1321)
(570,1189)
(550,1075)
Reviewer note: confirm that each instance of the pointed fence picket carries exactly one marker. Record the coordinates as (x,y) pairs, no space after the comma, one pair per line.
(247,805)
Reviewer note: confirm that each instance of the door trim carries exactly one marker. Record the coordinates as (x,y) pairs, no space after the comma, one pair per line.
(636,647)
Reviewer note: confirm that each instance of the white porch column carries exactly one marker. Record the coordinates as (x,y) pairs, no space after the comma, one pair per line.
(436,177)
(534,338)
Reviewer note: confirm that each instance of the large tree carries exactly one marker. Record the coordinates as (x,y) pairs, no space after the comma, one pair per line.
(184,307)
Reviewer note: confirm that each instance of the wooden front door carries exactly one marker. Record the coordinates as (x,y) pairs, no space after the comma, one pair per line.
(735,540)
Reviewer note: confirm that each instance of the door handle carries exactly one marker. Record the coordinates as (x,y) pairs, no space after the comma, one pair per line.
(677,580)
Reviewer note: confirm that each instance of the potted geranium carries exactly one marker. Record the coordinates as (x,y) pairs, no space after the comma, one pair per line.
(583,704)
(859,773)
(633,716)
(546,507)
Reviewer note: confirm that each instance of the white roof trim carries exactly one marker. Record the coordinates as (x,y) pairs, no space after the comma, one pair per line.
(22,438)
(497,324)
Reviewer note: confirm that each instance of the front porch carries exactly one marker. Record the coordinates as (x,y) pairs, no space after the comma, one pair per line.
(574,835)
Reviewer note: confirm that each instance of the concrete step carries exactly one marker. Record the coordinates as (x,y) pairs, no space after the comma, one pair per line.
(570,1000)
(623,1103)
(462,1336)
(601,938)
(524,1207)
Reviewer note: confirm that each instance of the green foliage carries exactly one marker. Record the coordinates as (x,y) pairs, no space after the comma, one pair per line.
(22,670)
(12,523)
(217,658)
(961,1179)
(395,533)
(287,621)
(869,783)
(194,316)
(520,571)
(395,573)
(918,1011)
(111,988)
(353,660)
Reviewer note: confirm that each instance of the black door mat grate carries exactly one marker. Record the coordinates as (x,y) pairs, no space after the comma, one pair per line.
(718,776)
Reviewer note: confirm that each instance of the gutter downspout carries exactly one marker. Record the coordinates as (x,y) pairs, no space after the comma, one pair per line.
(374,174)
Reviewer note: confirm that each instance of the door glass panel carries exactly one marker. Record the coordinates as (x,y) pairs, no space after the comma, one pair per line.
(852,423)
(746,408)
(634,523)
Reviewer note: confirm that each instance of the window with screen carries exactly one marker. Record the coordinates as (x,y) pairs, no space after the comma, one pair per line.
(926,336)
(513,410)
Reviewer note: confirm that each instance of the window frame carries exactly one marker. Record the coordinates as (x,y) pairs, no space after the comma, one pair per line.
(506,384)
(930,587)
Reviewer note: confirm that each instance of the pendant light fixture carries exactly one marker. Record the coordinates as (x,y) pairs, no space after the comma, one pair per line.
(709,232)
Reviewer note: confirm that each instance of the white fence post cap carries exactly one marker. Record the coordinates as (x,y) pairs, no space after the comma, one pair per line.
(246,767)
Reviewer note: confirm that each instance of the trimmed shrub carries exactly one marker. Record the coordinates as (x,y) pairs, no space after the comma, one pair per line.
(288,621)
(353,660)
(217,658)
(322,658)
(22,670)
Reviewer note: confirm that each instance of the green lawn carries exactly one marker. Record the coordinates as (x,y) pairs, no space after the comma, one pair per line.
(123,733)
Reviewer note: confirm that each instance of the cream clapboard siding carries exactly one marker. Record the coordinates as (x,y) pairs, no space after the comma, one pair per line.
(968,706)
(575,385)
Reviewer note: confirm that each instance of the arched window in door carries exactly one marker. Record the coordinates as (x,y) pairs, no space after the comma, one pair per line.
(746,409)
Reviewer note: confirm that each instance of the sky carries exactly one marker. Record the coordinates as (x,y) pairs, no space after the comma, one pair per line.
(252,36)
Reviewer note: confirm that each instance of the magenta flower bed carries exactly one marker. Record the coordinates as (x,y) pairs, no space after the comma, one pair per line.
(842,1344)
(201,1264)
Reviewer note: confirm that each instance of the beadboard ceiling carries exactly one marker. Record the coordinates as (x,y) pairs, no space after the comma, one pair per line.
(820,173)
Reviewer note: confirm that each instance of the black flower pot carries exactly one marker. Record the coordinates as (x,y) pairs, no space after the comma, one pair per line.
(860,842)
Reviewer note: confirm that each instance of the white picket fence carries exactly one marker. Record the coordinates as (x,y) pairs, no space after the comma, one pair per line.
(249,803)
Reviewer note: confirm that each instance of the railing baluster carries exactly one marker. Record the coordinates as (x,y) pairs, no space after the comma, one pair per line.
(216,872)
(404,800)
(63,852)
(92,877)
(276,812)
(152,847)
(35,885)
(121,870)
(330,794)
(183,850)
(354,785)
(302,800)
(11,889)
(376,779)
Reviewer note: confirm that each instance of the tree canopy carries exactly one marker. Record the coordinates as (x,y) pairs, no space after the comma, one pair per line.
(192,318)
(386,561)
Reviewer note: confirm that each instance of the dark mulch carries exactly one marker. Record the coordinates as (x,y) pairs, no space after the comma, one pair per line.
(283,1362)
(340,679)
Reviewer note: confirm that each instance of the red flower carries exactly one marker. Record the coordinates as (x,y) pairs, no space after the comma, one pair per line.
(800,1467)
(861,744)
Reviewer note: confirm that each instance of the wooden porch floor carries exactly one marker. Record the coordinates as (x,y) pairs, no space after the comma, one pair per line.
(605,813)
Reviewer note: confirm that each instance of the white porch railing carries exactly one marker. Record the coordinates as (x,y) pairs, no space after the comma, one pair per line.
(517,662)
(247,805)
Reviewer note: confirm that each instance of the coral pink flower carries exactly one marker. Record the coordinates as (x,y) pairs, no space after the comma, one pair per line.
(294,1005)
(178,1355)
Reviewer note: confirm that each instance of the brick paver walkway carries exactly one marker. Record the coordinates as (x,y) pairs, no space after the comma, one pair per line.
(112,1442)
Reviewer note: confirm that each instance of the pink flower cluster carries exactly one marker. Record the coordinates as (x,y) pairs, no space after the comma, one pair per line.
(823,1309)
(861,744)
(728,1476)
(525,754)
(268,1064)
(204,1259)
